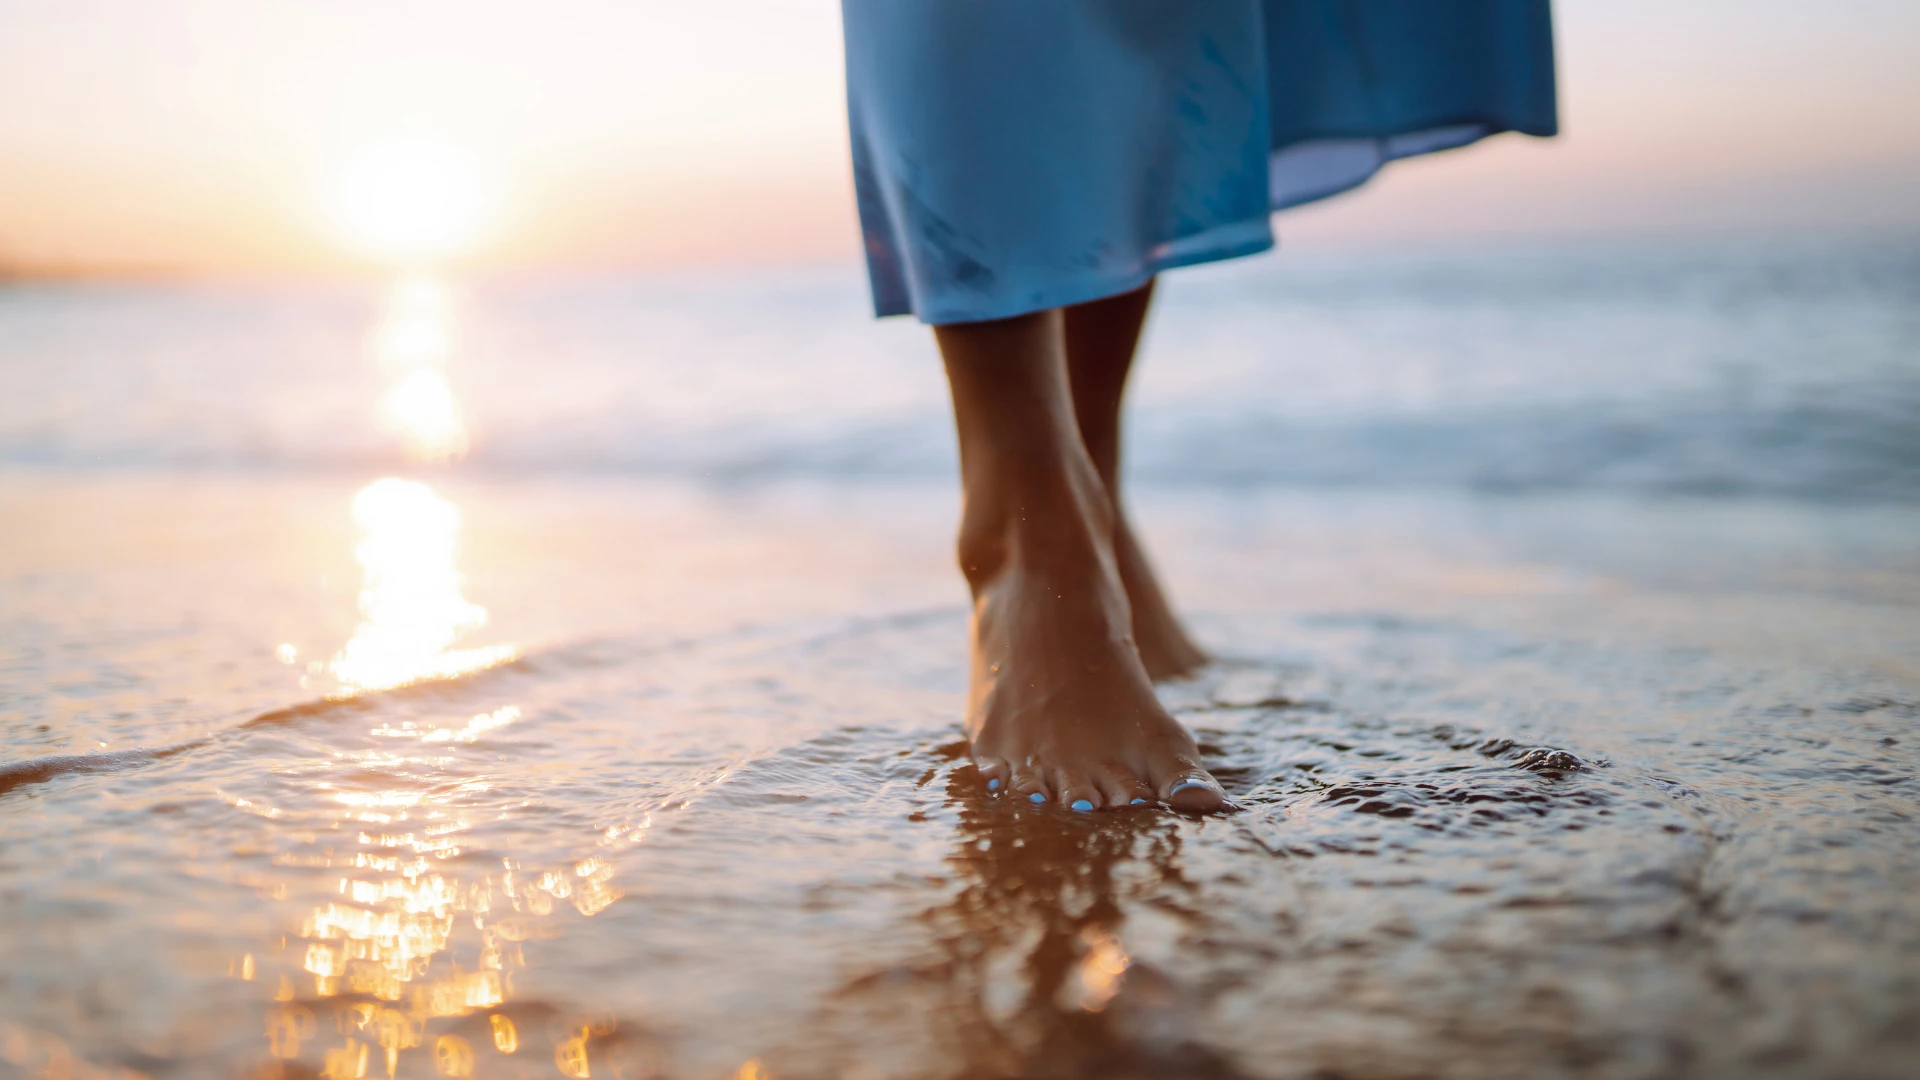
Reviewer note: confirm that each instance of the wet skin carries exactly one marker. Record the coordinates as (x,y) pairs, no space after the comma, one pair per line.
(1069,626)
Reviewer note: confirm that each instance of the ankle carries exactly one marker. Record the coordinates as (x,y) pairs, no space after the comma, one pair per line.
(1045,519)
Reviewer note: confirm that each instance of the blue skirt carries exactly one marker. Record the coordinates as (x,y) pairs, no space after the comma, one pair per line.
(1017,155)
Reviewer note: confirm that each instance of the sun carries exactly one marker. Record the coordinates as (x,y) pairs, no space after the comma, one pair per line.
(414,200)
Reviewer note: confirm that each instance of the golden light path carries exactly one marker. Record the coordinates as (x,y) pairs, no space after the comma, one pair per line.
(382,947)
(413,345)
(411,605)
(396,915)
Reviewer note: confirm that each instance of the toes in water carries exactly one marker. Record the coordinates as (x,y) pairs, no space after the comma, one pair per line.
(1189,789)
(1196,792)
(995,773)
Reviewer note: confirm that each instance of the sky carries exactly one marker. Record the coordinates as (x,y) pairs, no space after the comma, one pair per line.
(231,136)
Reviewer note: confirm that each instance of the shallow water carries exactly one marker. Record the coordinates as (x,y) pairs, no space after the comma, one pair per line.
(516,769)
(1513,809)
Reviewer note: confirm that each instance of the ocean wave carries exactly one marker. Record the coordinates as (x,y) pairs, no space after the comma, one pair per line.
(1786,371)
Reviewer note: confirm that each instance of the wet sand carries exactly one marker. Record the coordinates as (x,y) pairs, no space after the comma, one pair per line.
(1536,786)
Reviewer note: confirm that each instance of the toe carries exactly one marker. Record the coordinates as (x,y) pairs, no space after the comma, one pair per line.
(1184,785)
(1079,793)
(1199,794)
(1125,789)
(995,773)
(1029,785)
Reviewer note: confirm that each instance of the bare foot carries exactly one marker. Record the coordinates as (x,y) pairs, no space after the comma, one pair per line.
(1100,338)
(1061,708)
(1165,649)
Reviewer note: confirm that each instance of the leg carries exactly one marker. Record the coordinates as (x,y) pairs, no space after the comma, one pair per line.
(1100,337)
(1060,707)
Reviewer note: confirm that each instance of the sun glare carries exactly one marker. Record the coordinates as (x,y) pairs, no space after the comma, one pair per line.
(412,201)
(423,407)
(417,327)
(411,606)
(414,343)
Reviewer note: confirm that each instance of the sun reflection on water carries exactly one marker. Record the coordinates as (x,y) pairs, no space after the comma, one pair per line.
(385,950)
(413,344)
(412,607)
(416,326)
(422,404)
(412,941)
(411,603)
(410,960)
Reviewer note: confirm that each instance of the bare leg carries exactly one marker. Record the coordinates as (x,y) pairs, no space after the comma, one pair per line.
(1100,338)
(1060,706)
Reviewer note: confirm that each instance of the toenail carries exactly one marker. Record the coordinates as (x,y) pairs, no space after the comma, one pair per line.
(1137,802)
(1037,797)
(1185,784)
(1082,805)
(994,784)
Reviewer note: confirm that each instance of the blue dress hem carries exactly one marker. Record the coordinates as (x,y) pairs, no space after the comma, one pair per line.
(1011,157)
(1230,241)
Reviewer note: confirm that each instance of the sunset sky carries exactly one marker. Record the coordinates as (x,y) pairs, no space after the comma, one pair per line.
(239,136)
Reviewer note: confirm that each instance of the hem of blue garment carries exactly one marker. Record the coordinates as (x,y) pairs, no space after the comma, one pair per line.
(1230,241)
(1385,149)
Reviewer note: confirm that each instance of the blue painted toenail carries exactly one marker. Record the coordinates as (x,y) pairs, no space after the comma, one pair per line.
(1037,797)
(1137,802)
(1185,784)
(994,784)
(1082,805)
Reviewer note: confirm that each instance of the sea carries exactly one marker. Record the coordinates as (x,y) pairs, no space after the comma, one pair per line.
(562,675)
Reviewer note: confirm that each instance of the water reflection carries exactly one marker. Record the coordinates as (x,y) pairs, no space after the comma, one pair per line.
(413,345)
(413,957)
(411,603)
(422,404)
(36,1053)
(386,950)
(1030,974)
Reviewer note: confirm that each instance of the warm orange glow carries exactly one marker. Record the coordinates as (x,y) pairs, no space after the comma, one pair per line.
(416,329)
(415,200)
(348,1062)
(452,1056)
(1102,969)
(570,1057)
(411,603)
(422,405)
(505,1038)
(414,343)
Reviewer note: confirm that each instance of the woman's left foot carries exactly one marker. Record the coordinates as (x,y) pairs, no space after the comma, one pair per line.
(1061,709)
(1165,649)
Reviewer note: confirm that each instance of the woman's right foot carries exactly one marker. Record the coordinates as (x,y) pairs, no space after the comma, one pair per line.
(1061,707)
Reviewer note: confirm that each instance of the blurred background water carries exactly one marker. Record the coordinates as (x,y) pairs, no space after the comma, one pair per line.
(1743,367)
(521,678)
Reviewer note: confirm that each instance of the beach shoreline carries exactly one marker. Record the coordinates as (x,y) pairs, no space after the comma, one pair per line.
(1523,775)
